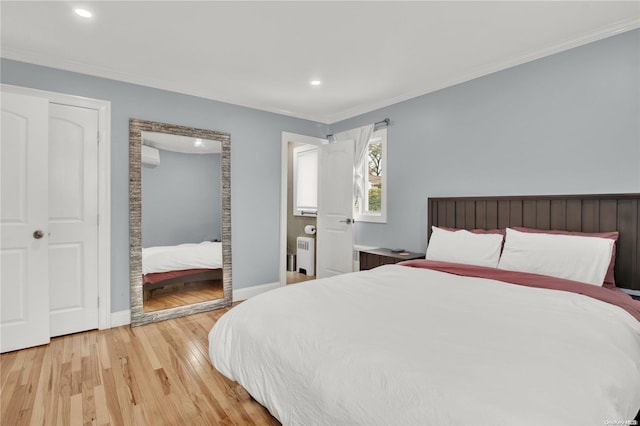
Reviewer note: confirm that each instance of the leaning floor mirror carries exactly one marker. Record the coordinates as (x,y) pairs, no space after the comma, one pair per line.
(179,220)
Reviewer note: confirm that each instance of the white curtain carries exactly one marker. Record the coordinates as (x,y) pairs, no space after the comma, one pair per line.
(360,137)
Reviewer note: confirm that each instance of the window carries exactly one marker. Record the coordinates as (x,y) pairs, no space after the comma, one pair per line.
(372,205)
(305,180)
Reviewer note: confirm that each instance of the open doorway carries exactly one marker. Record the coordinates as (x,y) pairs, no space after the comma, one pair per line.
(299,208)
(302,209)
(332,168)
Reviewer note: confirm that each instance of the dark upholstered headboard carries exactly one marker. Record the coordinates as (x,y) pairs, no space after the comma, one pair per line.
(585,213)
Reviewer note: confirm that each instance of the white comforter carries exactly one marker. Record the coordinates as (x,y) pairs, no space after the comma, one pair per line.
(204,255)
(399,345)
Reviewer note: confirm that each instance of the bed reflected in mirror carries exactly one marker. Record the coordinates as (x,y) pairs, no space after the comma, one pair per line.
(180,221)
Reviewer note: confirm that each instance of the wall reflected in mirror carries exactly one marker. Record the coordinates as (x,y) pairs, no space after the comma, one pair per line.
(181,221)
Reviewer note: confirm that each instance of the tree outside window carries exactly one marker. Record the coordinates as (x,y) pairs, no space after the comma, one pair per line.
(375,177)
(372,207)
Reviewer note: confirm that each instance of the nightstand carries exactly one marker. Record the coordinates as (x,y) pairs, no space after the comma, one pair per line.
(373,258)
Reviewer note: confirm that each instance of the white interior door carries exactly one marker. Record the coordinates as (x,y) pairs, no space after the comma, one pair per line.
(73,219)
(335,209)
(24,319)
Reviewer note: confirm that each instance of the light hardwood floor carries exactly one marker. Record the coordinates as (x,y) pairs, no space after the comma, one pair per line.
(183,294)
(158,374)
(296,277)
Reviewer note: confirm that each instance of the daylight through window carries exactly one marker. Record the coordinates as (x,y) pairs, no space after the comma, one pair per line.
(372,208)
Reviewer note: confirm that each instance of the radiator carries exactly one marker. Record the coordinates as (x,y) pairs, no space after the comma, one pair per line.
(306,255)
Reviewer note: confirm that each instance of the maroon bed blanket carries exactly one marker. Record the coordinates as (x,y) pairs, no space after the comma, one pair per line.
(156,277)
(614,296)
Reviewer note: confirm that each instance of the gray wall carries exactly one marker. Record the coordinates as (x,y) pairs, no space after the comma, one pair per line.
(181,199)
(255,163)
(567,123)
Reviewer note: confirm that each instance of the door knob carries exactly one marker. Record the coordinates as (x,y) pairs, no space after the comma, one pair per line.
(347,221)
(38,234)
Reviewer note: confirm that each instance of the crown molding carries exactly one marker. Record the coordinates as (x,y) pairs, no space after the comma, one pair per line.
(599,34)
(51,61)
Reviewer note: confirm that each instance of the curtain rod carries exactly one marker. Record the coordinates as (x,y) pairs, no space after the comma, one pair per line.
(385,121)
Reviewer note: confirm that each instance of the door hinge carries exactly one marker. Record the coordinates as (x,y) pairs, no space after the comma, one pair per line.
(98,136)
(98,301)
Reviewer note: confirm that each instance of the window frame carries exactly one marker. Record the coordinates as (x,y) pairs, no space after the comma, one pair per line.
(358,213)
(308,211)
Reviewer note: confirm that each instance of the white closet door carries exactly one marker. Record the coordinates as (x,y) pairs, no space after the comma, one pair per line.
(73,219)
(24,316)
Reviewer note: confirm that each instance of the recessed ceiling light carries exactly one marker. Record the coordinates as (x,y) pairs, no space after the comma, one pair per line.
(316,82)
(83,12)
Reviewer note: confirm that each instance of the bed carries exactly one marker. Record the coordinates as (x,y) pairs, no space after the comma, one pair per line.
(436,342)
(163,266)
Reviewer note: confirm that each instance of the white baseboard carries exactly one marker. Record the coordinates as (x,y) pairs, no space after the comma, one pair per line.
(246,293)
(120,318)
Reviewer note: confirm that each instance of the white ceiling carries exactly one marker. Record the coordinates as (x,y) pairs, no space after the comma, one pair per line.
(263,54)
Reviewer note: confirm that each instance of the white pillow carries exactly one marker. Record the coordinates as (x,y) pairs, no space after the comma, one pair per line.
(464,247)
(577,258)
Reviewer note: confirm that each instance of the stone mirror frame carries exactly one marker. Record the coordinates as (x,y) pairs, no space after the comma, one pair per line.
(136,127)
